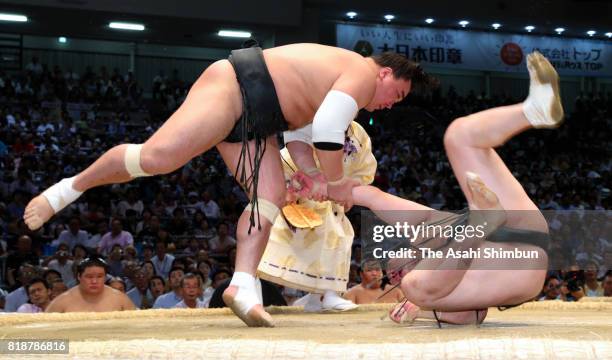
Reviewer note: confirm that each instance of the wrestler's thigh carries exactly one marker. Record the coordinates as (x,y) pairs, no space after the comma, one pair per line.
(205,118)
(271,184)
(488,164)
(494,282)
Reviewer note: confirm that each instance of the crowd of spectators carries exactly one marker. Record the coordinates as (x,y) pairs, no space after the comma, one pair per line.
(153,232)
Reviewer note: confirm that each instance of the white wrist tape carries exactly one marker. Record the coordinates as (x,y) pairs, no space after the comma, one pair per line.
(132,161)
(61,194)
(333,117)
(303,134)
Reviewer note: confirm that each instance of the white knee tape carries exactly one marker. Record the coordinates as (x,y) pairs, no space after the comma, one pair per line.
(267,209)
(132,161)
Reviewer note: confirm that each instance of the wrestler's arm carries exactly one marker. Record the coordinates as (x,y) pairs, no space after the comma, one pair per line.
(350,92)
(302,155)
(351,294)
(391,209)
(126,303)
(299,145)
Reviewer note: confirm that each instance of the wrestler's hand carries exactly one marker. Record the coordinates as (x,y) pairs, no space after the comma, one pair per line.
(341,191)
(396,270)
(300,184)
(314,188)
(319,191)
(290,196)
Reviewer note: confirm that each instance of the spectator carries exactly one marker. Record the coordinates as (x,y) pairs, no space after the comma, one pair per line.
(141,295)
(93,243)
(34,66)
(204,233)
(23,183)
(115,236)
(62,264)
(39,294)
(150,231)
(221,243)
(19,296)
(79,252)
(161,260)
(193,248)
(115,264)
(116,283)
(149,269)
(2,300)
(209,207)
(147,253)
(552,289)
(607,284)
(130,254)
(131,202)
(191,288)
(178,224)
(371,289)
(170,299)
(592,286)
(22,254)
(157,286)
(58,287)
(204,267)
(51,275)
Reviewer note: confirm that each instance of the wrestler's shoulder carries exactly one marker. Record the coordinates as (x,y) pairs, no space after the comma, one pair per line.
(61,300)
(110,292)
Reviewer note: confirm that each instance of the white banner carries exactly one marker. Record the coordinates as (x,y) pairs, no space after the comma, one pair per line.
(478,50)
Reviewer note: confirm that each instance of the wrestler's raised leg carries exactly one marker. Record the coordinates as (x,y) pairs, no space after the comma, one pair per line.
(241,294)
(205,118)
(475,288)
(469,143)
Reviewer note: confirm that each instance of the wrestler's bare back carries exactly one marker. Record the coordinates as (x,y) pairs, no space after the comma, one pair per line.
(73,301)
(303,74)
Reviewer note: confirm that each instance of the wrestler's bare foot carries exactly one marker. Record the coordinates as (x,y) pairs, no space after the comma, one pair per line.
(404,312)
(256,316)
(483,198)
(38,212)
(543,106)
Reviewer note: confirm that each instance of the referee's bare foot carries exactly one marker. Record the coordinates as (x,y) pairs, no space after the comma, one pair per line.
(38,212)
